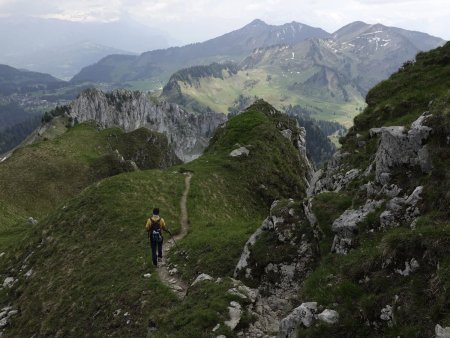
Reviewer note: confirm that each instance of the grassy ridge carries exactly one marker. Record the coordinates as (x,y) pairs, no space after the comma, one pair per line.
(363,282)
(40,176)
(92,257)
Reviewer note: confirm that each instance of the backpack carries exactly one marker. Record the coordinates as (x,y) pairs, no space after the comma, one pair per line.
(155,231)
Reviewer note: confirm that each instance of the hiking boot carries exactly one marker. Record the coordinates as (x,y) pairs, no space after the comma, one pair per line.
(159,259)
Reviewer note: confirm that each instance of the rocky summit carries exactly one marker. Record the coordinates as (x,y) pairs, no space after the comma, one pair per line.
(130,110)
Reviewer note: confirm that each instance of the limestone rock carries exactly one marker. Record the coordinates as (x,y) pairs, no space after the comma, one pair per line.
(442,332)
(346,225)
(333,178)
(239,152)
(202,277)
(304,314)
(235,312)
(9,282)
(130,110)
(410,267)
(329,316)
(401,147)
(401,210)
(387,313)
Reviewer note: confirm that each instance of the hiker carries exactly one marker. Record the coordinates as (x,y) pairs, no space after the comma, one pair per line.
(155,225)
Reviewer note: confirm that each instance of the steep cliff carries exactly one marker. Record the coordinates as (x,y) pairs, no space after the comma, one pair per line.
(130,110)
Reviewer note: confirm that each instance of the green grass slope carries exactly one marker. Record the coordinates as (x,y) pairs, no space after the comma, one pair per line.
(40,176)
(360,284)
(89,256)
(274,84)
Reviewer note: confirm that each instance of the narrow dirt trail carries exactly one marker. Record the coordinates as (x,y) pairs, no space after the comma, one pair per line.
(173,281)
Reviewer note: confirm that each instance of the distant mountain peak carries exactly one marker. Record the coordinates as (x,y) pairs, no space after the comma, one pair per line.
(257,22)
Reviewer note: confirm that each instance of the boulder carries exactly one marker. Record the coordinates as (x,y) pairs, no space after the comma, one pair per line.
(304,314)
(329,316)
(239,152)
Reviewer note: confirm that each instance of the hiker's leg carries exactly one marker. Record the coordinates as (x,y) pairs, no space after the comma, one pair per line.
(160,247)
(154,256)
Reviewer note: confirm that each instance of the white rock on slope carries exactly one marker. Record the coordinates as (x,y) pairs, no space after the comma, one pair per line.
(202,277)
(399,146)
(346,225)
(304,314)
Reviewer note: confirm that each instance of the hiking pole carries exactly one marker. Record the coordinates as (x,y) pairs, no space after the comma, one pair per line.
(147,249)
(178,248)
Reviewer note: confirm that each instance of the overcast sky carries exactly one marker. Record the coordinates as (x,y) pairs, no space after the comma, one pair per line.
(198,20)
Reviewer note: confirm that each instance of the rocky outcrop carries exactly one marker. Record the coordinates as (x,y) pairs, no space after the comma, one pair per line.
(304,314)
(399,146)
(333,178)
(401,210)
(286,240)
(239,152)
(346,226)
(188,132)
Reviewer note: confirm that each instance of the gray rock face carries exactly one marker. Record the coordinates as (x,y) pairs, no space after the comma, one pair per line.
(401,210)
(278,283)
(333,178)
(188,132)
(399,146)
(346,225)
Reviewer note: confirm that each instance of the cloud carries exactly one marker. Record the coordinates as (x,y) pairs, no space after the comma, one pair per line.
(202,19)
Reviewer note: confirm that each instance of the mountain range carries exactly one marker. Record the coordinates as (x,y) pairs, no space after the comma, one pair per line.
(155,67)
(291,65)
(329,76)
(61,48)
